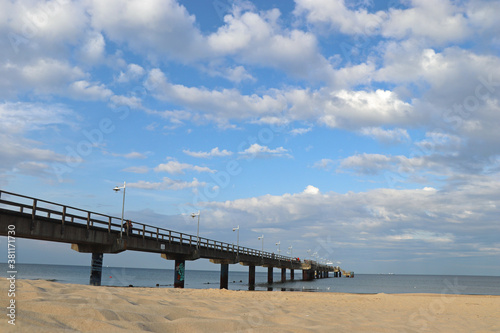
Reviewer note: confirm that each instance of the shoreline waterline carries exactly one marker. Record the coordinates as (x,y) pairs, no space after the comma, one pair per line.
(45,306)
(238,280)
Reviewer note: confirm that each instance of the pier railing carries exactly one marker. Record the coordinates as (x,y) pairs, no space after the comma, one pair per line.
(68,214)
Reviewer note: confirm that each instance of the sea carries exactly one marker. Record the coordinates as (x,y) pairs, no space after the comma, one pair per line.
(238,280)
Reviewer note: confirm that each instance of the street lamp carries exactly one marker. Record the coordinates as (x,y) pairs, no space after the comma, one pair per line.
(193,215)
(117,189)
(237,242)
(262,237)
(279,249)
(290,252)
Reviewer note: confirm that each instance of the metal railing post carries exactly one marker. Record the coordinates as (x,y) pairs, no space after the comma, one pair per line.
(33,210)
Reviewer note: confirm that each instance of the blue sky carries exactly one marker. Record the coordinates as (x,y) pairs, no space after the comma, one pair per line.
(365,131)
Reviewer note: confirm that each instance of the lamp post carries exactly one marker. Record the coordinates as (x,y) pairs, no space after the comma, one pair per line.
(117,189)
(279,248)
(237,242)
(193,215)
(290,252)
(259,238)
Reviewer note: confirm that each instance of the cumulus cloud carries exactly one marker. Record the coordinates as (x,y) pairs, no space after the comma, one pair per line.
(152,27)
(90,91)
(403,221)
(133,72)
(258,39)
(176,167)
(397,135)
(256,150)
(300,131)
(445,22)
(216,104)
(215,152)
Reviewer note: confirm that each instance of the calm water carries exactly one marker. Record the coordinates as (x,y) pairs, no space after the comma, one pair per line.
(362,283)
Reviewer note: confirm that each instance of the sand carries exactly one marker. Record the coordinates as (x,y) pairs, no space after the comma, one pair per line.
(43,306)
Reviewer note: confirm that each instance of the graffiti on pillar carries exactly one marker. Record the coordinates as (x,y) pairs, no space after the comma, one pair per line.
(180,272)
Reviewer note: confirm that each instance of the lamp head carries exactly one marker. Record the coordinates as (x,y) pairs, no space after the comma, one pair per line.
(116,189)
(193,215)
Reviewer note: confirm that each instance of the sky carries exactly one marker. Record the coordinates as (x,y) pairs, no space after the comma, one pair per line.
(363,131)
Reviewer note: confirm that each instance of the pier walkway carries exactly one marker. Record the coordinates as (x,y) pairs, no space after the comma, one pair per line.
(95,233)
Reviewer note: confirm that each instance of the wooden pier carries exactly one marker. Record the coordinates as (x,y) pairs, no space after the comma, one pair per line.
(95,233)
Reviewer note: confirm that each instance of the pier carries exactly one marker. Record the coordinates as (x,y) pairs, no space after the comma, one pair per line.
(99,234)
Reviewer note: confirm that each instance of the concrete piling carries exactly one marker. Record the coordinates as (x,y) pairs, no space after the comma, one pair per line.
(251,277)
(224,276)
(96,269)
(180,266)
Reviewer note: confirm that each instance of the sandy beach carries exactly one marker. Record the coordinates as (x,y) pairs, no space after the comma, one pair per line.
(43,306)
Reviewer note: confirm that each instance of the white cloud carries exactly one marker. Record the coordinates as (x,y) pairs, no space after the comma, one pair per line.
(256,150)
(351,109)
(300,131)
(235,74)
(311,190)
(422,235)
(257,39)
(176,167)
(17,151)
(42,76)
(168,184)
(85,90)
(133,72)
(94,49)
(397,135)
(137,169)
(445,22)
(215,152)
(325,163)
(131,155)
(402,221)
(155,28)
(220,105)
(335,14)
(334,108)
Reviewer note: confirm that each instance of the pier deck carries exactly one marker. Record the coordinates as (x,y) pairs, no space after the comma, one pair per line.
(96,233)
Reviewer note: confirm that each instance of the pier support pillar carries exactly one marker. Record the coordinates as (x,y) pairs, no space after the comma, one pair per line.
(251,277)
(308,275)
(96,269)
(180,266)
(292,274)
(326,274)
(270,275)
(224,276)
(283,275)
